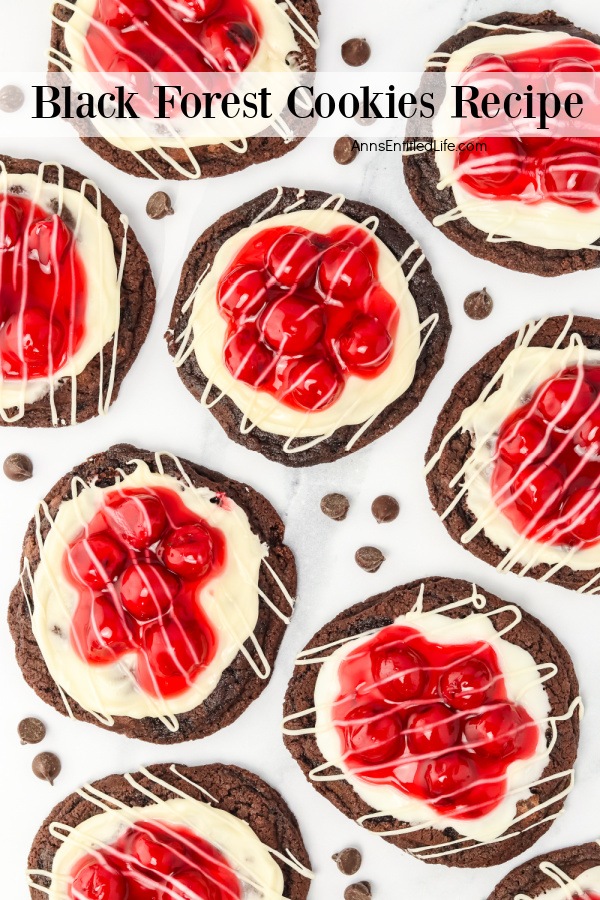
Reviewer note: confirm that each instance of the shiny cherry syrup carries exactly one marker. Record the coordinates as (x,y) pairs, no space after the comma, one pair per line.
(431,720)
(304,312)
(138,567)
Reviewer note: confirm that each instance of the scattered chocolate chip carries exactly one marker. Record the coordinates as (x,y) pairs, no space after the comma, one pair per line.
(359,891)
(479,304)
(31,731)
(345,150)
(12,98)
(369,558)
(385,508)
(365,120)
(18,467)
(335,506)
(348,861)
(46,766)
(356,52)
(159,205)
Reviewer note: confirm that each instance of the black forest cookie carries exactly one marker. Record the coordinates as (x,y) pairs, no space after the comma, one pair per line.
(527,203)
(179,38)
(153,596)
(513,466)
(171,832)
(439,717)
(308,324)
(76,295)
(570,873)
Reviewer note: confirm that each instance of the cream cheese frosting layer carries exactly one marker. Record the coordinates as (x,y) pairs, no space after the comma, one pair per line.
(230,601)
(361,398)
(543,224)
(103,295)
(522,682)
(259,874)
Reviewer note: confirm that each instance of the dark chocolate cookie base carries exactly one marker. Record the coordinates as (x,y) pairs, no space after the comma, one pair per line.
(422,174)
(239,685)
(529,879)
(137,308)
(424,288)
(237,791)
(530,634)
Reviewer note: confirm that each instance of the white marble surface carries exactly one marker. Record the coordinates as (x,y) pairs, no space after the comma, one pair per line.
(155,411)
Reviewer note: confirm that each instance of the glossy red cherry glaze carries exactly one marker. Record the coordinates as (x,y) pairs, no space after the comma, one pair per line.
(172,36)
(42,291)
(155,860)
(530,169)
(546,475)
(304,312)
(431,720)
(138,567)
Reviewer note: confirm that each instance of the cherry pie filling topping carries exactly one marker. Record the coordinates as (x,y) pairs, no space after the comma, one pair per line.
(132,36)
(546,471)
(138,567)
(530,169)
(431,720)
(155,860)
(42,291)
(304,312)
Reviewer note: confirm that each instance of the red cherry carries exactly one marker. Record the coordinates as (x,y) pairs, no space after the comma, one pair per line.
(313,384)
(156,855)
(138,519)
(581,514)
(121,13)
(292,260)
(469,685)
(432,728)
(187,550)
(589,433)
(243,292)
(365,344)
(500,732)
(537,489)
(377,735)
(35,340)
(566,399)
(570,64)
(191,885)
(488,62)
(48,240)
(106,636)
(97,881)
(147,590)
(173,653)
(345,272)
(447,777)
(398,672)
(522,439)
(10,224)
(228,46)
(573,177)
(500,163)
(247,358)
(292,325)
(193,10)
(97,560)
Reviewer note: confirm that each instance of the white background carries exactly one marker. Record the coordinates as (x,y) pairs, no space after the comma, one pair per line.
(155,411)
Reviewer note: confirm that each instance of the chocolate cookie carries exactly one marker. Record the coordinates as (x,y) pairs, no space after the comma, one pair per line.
(474,466)
(474,721)
(156,609)
(423,175)
(559,869)
(94,296)
(200,161)
(189,795)
(300,371)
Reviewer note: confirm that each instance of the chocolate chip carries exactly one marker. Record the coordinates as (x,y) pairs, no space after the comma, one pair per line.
(12,98)
(369,558)
(335,506)
(348,861)
(18,467)
(478,304)
(31,731)
(365,120)
(356,52)
(46,766)
(345,150)
(159,205)
(359,891)
(385,508)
